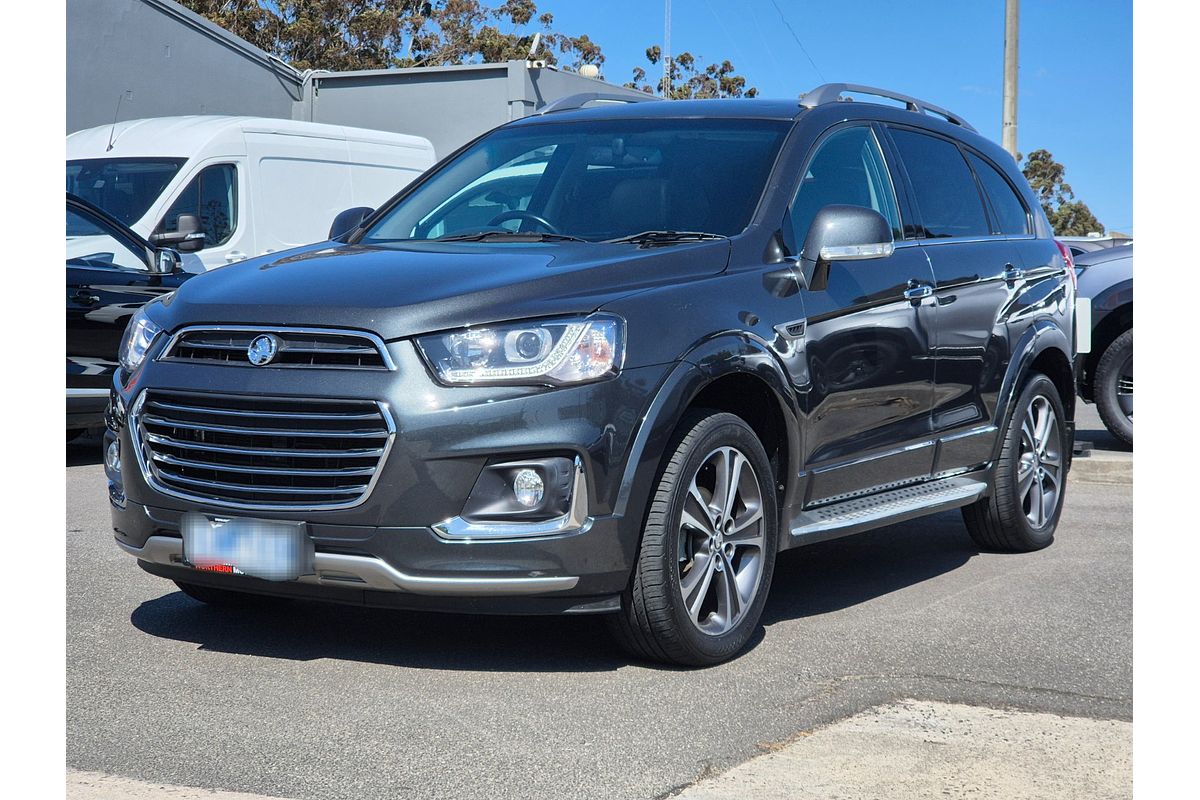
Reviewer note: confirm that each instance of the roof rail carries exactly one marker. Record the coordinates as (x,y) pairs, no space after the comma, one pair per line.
(574,101)
(832,93)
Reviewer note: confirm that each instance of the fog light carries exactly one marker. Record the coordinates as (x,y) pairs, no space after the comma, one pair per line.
(112,456)
(528,487)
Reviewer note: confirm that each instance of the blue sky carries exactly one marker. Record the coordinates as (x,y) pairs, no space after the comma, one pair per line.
(1076,64)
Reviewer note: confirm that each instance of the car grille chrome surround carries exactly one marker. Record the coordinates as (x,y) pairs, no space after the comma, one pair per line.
(299,348)
(262,453)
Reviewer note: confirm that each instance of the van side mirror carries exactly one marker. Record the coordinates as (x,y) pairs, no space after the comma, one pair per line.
(843,233)
(166,262)
(348,220)
(186,238)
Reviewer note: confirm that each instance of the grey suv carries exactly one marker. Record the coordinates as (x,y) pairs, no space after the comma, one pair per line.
(612,360)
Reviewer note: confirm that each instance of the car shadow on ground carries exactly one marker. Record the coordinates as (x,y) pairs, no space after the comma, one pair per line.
(85,450)
(815,580)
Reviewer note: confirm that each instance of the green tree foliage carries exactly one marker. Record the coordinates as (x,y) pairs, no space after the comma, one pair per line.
(689,81)
(378,34)
(1068,216)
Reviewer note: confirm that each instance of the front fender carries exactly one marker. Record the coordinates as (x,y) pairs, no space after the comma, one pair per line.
(1040,336)
(715,358)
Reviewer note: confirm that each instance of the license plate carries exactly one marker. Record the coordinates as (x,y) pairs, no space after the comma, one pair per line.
(268,549)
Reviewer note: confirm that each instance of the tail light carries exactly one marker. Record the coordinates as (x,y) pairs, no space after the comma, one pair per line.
(1069,260)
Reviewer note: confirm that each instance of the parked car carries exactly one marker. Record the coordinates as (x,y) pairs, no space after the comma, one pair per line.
(255,185)
(111,273)
(707,332)
(1106,373)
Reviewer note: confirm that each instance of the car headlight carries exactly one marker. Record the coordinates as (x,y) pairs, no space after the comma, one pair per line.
(139,335)
(542,352)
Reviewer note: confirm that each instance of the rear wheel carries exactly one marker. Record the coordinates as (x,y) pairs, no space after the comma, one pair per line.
(225,598)
(1113,387)
(1030,476)
(708,547)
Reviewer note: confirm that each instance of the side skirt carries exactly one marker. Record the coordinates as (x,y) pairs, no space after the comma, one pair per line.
(886,508)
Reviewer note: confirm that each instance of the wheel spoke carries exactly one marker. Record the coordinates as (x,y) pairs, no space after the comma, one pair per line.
(1025,477)
(695,510)
(735,478)
(1048,500)
(729,597)
(696,583)
(722,467)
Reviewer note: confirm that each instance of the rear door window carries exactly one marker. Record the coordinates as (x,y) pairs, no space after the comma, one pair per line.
(211,196)
(1007,208)
(948,200)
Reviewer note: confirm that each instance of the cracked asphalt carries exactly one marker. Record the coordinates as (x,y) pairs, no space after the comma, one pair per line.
(310,701)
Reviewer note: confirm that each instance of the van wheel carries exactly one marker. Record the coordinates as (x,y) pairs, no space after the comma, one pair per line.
(1030,477)
(708,547)
(1113,387)
(225,598)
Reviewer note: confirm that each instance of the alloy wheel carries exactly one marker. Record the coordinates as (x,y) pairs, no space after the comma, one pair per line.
(1040,467)
(721,542)
(1125,388)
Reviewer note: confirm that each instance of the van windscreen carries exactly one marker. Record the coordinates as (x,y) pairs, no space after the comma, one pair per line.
(124,187)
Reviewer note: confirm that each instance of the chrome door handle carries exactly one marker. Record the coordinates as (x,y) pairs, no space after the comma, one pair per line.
(233,256)
(1013,274)
(85,298)
(917,291)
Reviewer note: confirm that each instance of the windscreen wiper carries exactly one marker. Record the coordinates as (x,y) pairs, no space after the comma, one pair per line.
(666,237)
(517,236)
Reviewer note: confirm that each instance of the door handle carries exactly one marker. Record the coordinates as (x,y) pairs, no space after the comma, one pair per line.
(917,291)
(234,256)
(85,298)
(1013,274)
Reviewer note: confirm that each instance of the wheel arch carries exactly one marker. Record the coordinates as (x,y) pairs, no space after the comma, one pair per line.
(1114,323)
(1043,348)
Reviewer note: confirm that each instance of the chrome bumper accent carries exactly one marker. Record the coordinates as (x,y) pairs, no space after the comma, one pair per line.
(575,520)
(366,572)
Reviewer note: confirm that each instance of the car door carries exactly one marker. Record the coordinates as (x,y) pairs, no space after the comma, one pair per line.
(868,334)
(213,195)
(975,268)
(108,278)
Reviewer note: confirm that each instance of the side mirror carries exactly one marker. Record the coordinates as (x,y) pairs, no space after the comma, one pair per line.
(843,233)
(166,262)
(187,236)
(348,220)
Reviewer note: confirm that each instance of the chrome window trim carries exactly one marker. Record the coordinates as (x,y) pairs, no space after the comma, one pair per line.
(138,442)
(374,339)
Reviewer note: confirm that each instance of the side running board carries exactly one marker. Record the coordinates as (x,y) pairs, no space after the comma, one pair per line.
(886,508)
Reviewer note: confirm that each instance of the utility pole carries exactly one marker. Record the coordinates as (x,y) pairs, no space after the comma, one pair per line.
(1008,131)
(666,81)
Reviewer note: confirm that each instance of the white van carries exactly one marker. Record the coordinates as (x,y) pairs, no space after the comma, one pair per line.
(250,185)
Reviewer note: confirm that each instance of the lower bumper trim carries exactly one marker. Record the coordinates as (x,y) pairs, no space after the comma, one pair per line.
(366,572)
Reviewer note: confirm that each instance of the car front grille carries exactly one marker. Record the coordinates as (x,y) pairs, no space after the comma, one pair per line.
(260,452)
(297,347)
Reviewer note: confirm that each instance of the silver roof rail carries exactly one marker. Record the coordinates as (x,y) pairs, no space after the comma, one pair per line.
(575,101)
(832,93)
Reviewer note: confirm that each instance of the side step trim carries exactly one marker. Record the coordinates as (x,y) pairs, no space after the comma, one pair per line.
(875,511)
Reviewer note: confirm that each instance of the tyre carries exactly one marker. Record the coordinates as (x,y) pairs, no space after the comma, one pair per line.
(708,547)
(224,598)
(1112,387)
(1030,477)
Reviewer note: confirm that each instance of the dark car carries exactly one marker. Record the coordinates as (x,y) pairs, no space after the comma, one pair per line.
(707,332)
(1106,373)
(111,273)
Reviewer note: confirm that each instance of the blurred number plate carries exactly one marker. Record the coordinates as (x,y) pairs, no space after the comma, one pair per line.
(272,550)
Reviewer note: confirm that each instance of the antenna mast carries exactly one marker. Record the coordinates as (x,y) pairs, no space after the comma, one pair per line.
(666,81)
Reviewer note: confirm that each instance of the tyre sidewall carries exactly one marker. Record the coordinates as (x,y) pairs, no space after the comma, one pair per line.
(1108,376)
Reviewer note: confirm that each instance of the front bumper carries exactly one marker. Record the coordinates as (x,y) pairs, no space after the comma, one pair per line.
(395,548)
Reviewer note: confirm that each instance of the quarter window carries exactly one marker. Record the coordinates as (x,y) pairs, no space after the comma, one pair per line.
(848,169)
(1007,208)
(947,198)
(211,196)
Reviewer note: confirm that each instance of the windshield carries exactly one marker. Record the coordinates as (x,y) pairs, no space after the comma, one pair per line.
(595,180)
(124,187)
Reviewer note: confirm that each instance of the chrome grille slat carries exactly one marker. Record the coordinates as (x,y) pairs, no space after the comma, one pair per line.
(282,453)
(299,348)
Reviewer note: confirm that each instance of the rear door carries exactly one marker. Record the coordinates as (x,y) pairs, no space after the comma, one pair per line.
(867,345)
(108,278)
(975,268)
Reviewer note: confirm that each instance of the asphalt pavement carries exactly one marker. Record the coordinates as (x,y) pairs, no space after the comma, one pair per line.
(312,701)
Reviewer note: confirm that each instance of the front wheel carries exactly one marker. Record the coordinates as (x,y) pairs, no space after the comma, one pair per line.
(1030,476)
(708,547)
(1113,387)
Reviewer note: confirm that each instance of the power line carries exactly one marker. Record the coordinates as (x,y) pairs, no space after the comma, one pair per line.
(798,42)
